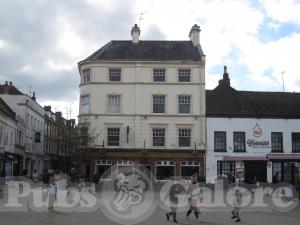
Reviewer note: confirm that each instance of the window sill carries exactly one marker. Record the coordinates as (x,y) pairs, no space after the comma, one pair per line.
(235,151)
(215,150)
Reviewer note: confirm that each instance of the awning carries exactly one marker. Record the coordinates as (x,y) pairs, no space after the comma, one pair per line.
(244,158)
(282,156)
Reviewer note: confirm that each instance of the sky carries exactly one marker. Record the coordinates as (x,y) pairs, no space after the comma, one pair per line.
(41,41)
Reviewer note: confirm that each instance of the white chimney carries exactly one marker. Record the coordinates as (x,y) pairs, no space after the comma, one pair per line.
(135,33)
(194,35)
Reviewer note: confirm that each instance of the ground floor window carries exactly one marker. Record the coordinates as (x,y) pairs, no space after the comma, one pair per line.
(188,168)
(103,169)
(287,171)
(145,169)
(165,170)
(224,167)
(125,166)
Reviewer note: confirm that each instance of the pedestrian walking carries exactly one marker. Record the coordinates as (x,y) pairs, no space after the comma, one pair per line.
(236,205)
(194,198)
(52,191)
(175,189)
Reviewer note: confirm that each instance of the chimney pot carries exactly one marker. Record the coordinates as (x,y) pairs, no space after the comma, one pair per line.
(194,35)
(33,96)
(135,34)
(10,83)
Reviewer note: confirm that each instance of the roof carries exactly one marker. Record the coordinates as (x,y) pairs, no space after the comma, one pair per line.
(6,109)
(225,101)
(9,88)
(148,50)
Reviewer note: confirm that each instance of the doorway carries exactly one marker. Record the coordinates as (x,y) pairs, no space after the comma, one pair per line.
(255,171)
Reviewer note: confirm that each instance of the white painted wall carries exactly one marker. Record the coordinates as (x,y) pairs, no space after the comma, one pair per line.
(136,89)
(7,133)
(24,106)
(230,125)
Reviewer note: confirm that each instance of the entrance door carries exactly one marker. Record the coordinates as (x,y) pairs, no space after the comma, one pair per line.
(255,171)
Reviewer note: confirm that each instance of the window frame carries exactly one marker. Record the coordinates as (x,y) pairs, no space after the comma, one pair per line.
(190,137)
(156,75)
(295,143)
(158,95)
(159,129)
(180,70)
(225,141)
(108,103)
(111,70)
(234,141)
(272,142)
(82,104)
(109,142)
(179,104)
(86,76)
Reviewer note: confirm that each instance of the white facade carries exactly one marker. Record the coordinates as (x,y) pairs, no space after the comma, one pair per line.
(136,90)
(30,132)
(146,105)
(258,143)
(7,133)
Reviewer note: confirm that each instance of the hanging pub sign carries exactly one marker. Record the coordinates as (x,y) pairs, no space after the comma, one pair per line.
(256,141)
(37,137)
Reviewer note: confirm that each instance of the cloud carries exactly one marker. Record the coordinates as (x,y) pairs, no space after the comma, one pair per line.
(42,41)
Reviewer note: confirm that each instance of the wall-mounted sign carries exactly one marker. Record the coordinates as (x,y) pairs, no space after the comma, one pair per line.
(257,131)
(256,141)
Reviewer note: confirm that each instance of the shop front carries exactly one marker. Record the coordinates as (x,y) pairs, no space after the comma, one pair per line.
(157,165)
(286,167)
(247,169)
(12,165)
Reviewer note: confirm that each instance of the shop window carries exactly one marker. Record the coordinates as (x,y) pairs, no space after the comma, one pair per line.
(224,167)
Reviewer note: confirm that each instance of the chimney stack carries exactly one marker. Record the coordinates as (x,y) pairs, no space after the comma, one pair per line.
(226,80)
(47,108)
(194,35)
(58,115)
(135,34)
(33,96)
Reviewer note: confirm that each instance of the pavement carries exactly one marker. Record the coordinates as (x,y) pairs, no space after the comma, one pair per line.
(157,217)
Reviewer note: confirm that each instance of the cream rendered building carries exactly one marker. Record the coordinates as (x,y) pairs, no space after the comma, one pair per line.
(145,103)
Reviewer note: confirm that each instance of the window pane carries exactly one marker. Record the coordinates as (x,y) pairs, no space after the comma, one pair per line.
(114,103)
(224,167)
(165,172)
(113,136)
(220,141)
(158,104)
(86,75)
(85,104)
(276,138)
(239,141)
(114,74)
(158,135)
(184,137)
(159,75)
(184,75)
(296,142)
(184,104)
